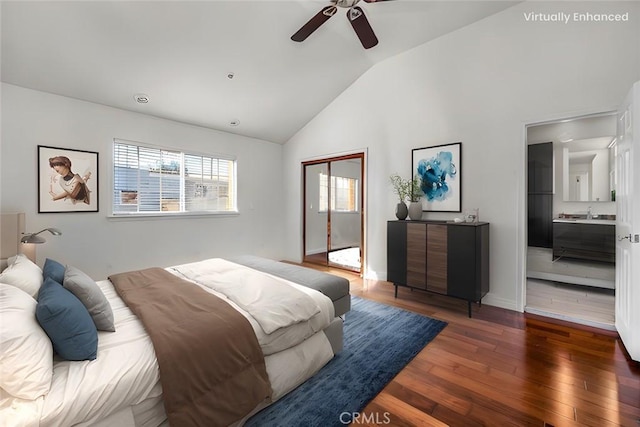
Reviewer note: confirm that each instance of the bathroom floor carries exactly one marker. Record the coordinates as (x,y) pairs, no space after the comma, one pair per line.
(576,291)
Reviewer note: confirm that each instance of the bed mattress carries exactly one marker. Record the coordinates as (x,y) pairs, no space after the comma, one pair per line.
(122,386)
(334,287)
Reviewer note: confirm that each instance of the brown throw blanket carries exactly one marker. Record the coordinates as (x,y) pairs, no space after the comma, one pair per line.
(211,366)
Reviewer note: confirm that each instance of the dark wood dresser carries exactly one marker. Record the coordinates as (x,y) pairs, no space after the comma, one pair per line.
(444,257)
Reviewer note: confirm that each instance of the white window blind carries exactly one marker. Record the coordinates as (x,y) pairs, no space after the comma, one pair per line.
(156,180)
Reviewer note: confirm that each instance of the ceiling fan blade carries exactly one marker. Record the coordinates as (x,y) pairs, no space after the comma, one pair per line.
(362,27)
(314,23)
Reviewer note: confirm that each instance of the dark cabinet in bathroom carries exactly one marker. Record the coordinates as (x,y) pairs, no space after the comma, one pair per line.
(540,195)
(593,242)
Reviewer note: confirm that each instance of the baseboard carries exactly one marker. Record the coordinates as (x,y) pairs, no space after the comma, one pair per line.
(494,301)
(571,319)
(373,275)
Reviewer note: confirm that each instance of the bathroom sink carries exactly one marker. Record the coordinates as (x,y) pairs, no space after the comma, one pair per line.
(596,221)
(585,217)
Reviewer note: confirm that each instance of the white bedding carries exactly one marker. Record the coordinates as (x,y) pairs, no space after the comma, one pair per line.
(204,274)
(272,302)
(125,372)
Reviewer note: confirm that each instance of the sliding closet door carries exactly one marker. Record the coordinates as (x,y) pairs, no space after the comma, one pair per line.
(316,215)
(333,214)
(345,213)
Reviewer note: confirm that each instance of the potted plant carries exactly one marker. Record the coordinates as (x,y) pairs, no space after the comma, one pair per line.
(401,188)
(415,194)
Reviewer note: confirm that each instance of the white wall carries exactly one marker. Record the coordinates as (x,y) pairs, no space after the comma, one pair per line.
(480,85)
(101,246)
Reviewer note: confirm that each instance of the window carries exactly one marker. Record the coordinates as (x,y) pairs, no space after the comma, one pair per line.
(152,180)
(344,193)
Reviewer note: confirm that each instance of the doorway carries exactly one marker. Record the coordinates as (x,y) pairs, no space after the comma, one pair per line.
(333,214)
(579,153)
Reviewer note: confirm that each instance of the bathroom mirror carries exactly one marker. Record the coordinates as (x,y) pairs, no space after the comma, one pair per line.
(584,156)
(587,170)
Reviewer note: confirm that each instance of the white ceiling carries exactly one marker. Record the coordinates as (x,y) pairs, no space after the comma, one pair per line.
(179,53)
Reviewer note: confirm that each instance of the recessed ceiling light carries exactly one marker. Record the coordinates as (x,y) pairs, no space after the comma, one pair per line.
(230,76)
(234,122)
(141,98)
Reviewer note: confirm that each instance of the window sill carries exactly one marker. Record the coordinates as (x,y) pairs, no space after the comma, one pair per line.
(175,215)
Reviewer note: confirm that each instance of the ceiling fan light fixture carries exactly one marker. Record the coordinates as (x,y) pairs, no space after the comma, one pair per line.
(347,3)
(356,18)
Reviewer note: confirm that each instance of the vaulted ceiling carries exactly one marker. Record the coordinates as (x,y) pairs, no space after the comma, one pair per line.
(182,54)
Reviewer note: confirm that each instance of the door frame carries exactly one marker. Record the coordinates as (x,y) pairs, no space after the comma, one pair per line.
(522,207)
(333,158)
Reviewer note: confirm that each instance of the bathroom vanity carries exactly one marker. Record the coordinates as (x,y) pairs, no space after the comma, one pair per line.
(588,239)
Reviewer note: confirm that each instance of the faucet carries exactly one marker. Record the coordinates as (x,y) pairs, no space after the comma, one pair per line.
(589,214)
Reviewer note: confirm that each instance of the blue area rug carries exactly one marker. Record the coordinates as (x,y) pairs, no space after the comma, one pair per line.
(379,340)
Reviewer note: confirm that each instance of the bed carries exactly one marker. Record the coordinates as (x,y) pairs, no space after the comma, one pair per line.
(123,384)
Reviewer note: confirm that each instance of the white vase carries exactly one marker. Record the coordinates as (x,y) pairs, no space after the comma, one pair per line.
(415,211)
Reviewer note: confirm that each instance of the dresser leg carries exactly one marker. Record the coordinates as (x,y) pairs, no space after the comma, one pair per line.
(396,293)
(469,308)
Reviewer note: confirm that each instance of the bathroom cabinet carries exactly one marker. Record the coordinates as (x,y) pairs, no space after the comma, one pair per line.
(443,257)
(584,240)
(540,194)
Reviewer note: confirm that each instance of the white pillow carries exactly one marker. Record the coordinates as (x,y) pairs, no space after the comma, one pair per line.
(23,274)
(26,353)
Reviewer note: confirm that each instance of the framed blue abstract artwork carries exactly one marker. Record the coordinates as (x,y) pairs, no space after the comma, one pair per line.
(439,170)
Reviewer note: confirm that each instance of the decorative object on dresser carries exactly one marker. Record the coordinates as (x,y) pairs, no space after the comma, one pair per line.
(439,171)
(415,194)
(445,257)
(67,180)
(400,187)
(472,215)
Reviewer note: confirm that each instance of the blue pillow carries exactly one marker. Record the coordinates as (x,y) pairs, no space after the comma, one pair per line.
(67,322)
(53,269)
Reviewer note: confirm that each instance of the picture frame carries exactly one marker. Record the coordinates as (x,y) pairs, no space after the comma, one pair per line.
(439,172)
(67,180)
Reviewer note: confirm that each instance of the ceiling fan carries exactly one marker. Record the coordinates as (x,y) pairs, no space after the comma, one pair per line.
(356,17)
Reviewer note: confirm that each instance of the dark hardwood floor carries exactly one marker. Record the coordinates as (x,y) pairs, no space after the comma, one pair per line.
(503,368)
